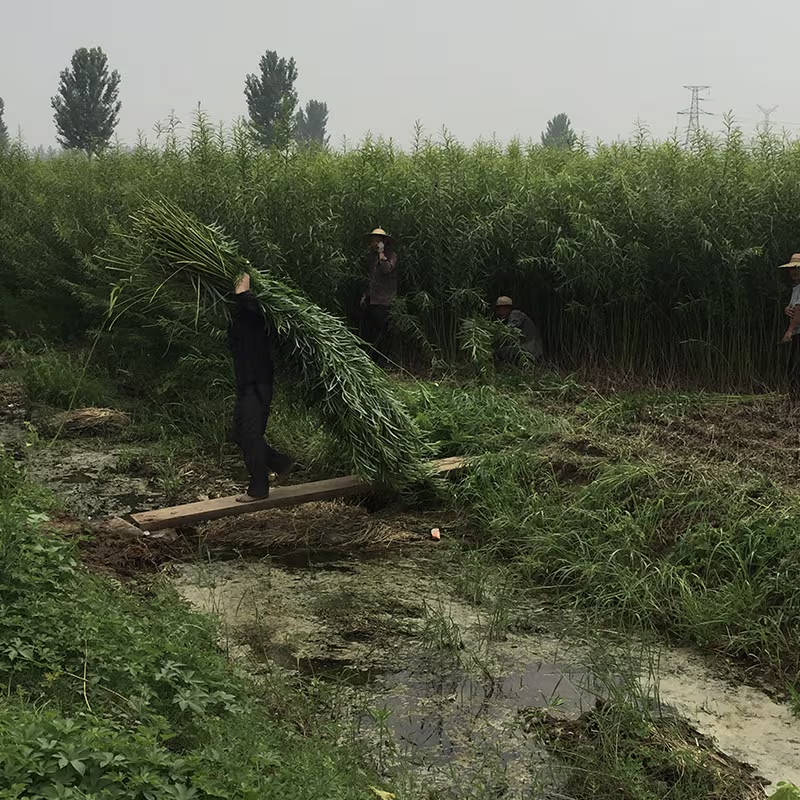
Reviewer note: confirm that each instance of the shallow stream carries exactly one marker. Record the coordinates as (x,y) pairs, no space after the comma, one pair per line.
(433,682)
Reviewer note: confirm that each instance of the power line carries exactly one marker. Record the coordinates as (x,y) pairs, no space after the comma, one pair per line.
(767,112)
(694,112)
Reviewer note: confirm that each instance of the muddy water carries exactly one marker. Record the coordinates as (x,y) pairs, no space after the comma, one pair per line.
(438,684)
(75,475)
(419,679)
(746,723)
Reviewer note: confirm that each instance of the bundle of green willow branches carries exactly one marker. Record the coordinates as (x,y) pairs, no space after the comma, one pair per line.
(168,247)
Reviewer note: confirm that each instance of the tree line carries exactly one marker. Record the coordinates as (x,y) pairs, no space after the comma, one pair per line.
(86,107)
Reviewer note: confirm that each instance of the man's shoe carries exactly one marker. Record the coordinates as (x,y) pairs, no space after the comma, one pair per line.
(283,472)
(251,498)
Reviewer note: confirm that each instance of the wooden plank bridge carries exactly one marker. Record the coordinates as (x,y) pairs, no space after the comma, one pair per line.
(279,497)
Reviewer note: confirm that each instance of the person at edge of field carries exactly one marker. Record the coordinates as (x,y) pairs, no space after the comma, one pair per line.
(792,335)
(250,343)
(530,340)
(377,301)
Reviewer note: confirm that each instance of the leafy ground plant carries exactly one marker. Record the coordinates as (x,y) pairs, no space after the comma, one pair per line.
(114,694)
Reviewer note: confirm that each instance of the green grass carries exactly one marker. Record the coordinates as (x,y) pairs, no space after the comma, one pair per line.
(113,693)
(580,503)
(569,491)
(475,418)
(564,500)
(702,552)
(64,379)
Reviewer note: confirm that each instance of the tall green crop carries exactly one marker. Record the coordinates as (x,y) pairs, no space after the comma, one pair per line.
(642,257)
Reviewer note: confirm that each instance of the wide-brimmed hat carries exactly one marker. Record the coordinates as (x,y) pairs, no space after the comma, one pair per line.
(503,301)
(379,232)
(794,261)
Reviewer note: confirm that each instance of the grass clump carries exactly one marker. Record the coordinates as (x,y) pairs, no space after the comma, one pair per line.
(703,556)
(114,694)
(618,750)
(64,379)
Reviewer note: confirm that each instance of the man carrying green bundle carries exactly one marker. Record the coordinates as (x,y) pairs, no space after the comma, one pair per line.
(250,343)
(530,342)
(377,301)
(166,247)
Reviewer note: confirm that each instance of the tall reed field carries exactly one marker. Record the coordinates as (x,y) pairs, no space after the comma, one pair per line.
(641,257)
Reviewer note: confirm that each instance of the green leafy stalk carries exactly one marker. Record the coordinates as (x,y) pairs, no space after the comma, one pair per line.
(168,247)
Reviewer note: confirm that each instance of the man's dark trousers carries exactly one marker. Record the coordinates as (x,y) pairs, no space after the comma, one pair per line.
(250,419)
(376,331)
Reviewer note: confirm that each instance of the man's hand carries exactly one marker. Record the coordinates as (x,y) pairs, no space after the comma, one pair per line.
(243,285)
(787,337)
(789,311)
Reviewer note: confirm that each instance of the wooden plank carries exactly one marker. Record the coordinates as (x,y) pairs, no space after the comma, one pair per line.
(281,496)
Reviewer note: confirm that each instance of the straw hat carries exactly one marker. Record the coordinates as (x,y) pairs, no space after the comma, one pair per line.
(503,301)
(794,262)
(380,232)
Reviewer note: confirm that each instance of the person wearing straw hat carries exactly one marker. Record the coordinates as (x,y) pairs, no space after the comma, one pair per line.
(376,302)
(530,342)
(792,335)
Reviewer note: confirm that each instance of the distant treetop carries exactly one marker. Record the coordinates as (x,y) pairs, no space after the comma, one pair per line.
(87,105)
(559,134)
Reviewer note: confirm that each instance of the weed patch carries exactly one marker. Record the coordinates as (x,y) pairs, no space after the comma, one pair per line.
(615,750)
(702,556)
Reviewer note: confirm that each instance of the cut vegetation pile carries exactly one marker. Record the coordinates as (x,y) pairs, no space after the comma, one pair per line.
(89,421)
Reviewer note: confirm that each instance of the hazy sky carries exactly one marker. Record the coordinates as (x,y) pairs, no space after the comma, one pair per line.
(480,68)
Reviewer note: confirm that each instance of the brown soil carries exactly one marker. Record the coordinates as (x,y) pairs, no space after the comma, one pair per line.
(761,434)
(296,534)
(12,401)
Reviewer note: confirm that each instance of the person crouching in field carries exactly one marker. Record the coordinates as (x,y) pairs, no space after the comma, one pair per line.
(530,342)
(792,335)
(250,343)
(376,302)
